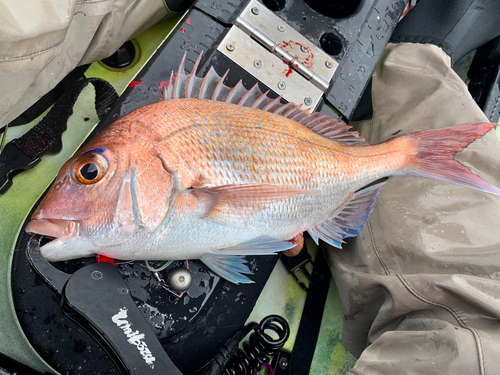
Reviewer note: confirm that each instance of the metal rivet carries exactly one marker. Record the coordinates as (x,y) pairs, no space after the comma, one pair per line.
(179,279)
(96,275)
(283,363)
(308,101)
(230,47)
(281,85)
(257,64)
(255,10)
(304,49)
(122,291)
(281,28)
(329,64)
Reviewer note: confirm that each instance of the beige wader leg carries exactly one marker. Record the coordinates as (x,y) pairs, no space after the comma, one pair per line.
(420,285)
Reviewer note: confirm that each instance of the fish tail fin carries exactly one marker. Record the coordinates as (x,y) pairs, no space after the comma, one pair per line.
(431,154)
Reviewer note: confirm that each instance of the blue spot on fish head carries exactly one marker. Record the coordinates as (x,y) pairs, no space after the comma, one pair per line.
(96,149)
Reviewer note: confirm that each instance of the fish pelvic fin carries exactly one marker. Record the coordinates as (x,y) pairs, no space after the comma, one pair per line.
(229,267)
(229,262)
(429,153)
(351,218)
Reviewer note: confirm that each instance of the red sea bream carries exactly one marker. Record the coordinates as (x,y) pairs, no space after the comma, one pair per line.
(235,174)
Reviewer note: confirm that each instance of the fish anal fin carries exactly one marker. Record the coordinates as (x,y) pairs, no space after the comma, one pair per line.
(264,245)
(229,267)
(350,219)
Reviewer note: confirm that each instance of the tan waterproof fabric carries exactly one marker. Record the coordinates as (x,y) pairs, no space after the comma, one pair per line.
(420,285)
(42,41)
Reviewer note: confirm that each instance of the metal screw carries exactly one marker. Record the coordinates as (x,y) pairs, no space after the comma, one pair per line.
(281,28)
(329,64)
(255,10)
(308,101)
(257,64)
(281,85)
(304,49)
(96,275)
(230,47)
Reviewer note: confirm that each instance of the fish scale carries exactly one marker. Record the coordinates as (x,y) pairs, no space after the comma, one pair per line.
(192,177)
(254,144)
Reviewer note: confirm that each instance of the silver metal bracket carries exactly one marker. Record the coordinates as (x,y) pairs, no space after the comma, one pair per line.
(277,55)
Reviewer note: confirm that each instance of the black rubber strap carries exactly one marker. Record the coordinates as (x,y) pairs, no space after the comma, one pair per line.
(310,323)
(457,26)
(484,75)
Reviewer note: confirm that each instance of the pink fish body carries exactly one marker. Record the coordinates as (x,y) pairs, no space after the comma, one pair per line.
(211,180)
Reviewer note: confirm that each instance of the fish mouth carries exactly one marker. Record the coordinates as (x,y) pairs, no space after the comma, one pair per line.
(53,228)
(58,231)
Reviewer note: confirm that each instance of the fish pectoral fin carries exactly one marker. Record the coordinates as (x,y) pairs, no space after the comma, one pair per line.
(229,201)
(264,245)
(351,218)
(229,267)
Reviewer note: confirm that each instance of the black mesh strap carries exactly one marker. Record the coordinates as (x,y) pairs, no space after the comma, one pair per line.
(24,152)
(51,97)
(46,136)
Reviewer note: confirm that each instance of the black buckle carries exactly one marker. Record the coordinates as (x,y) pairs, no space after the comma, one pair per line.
(298,263)
(12,161)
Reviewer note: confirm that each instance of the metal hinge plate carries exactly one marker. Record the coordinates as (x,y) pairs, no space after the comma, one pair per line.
(278,56)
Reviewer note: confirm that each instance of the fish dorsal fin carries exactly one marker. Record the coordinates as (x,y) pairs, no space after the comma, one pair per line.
(350,220)
(333,129)
(212,87)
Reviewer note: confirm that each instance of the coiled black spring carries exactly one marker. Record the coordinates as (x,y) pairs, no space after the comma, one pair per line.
(259,346)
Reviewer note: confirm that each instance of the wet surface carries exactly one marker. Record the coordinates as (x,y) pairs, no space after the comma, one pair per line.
(191,328)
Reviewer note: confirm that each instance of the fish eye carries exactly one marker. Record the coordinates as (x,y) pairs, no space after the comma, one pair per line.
(90,168)
(89,171)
